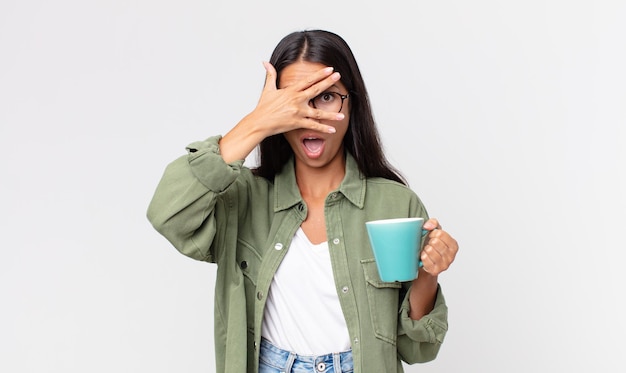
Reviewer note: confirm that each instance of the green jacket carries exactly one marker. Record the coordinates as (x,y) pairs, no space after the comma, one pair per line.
(222,213)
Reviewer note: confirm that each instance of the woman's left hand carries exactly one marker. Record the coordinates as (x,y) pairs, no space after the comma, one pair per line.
(439,248)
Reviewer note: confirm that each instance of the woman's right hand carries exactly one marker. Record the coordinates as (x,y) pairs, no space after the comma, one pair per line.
(279,111)
(288,108)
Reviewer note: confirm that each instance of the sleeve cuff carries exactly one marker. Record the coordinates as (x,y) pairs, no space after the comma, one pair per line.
(431,328)
(208,166)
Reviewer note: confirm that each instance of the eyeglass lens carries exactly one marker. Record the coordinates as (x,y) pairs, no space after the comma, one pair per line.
(329,101)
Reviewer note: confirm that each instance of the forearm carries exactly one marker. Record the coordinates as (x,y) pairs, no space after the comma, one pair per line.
(423,295)
(239,142)
(419,340)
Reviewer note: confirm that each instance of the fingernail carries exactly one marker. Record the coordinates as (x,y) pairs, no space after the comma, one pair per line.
(340,116)
(336,76)
(328,69)
(331,130)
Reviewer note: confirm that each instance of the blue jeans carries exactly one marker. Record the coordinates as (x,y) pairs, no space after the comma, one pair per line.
(275,360)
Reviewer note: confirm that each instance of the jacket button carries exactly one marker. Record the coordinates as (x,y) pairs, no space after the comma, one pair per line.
(243,264)
(336,241)
(344,289)
(259,295)
(278,246)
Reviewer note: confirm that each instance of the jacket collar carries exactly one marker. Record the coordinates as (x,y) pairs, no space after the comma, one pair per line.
(287,194)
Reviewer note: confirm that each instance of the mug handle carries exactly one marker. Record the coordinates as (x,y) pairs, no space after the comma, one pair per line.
(419,261)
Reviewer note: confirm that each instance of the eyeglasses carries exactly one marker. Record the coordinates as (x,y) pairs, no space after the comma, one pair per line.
(329,101)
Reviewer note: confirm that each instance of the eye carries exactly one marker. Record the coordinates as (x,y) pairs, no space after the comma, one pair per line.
(324,99)
(327,97)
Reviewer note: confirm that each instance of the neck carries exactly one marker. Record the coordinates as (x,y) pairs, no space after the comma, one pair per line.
(318,182)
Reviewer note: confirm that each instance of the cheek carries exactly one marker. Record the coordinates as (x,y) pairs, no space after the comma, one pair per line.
(291,138)
(342,126)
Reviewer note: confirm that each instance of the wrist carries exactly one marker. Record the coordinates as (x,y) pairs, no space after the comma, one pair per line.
(424,277)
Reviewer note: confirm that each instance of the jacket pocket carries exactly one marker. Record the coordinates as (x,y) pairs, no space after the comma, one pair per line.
(383,303)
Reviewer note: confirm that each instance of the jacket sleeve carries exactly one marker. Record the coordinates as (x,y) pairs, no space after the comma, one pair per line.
(420,340)
(183,206)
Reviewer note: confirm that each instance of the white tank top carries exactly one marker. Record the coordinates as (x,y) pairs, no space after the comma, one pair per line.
(303,313)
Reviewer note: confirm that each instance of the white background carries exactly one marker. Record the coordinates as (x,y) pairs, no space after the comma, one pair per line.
(508,118)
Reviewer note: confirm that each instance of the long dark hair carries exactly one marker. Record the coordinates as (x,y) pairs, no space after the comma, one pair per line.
(361,140)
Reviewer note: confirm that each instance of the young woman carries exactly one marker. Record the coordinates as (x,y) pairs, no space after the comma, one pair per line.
(297,287)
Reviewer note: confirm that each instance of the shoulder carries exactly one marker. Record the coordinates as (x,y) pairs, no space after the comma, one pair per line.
(382,184)
(392,197)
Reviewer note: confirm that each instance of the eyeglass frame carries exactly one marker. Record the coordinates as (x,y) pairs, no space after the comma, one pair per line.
(343,97)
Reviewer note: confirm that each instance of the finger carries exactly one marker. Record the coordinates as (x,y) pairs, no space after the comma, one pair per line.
(435,244)
(270,76)
(452,249)
(315,118)
(316,78)
(318,126)
(317,114)
(428,264)
(432,224)
(322,85)
(435,234)
(447,242)
(431,253)
(441,253)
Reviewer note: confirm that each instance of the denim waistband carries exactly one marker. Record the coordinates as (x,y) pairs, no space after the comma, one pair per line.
(274,359)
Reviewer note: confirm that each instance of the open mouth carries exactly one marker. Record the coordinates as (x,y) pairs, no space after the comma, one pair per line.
(313,146)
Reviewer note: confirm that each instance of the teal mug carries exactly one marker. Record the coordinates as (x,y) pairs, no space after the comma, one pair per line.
(396,244)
